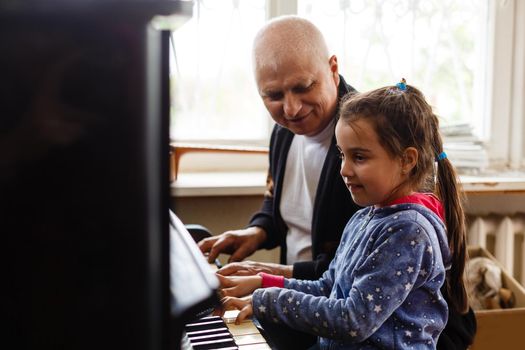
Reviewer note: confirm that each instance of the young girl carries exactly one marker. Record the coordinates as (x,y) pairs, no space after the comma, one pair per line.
(382,289)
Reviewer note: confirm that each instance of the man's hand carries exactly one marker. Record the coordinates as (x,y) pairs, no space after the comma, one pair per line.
(249,268)
(238,243)
(239,286)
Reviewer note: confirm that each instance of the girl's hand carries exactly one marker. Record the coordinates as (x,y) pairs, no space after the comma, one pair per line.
(248,268)
(238,286)
(242,304)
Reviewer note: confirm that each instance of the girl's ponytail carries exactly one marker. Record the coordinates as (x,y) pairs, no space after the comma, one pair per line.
(449,190)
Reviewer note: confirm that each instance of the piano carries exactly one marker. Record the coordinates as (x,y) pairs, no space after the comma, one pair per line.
(193,297)
(214,332)
(84,187)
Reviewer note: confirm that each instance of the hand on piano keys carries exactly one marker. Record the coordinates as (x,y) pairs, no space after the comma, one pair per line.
(214,332)
(239,286)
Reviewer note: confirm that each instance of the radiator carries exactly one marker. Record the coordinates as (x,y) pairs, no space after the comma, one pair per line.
(503,236)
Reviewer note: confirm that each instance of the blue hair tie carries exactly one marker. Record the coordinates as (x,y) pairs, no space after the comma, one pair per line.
(441,156)
(402,85)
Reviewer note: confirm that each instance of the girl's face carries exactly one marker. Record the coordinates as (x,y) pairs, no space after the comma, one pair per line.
(372,176)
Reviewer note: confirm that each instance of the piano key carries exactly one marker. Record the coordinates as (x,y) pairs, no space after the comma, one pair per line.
(259,346)
(230,316)
(207,331)
(242,329)
(214,344)
(212,336)
(208,318)
(249,339)
(206,324)
(245,336)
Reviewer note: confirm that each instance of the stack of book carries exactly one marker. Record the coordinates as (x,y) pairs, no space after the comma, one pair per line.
(464,149)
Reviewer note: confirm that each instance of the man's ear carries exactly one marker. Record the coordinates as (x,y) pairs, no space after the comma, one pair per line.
(410,157)
(334,68)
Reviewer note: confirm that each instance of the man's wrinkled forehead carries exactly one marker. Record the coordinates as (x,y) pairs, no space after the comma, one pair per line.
(289,63)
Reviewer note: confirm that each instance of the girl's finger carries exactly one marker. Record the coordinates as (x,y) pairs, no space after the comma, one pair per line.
(228,292)
(229,303)
(245,313)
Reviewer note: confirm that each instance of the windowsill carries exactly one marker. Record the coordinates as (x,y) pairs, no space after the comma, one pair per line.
(254,183)
(505,182)
(219,184)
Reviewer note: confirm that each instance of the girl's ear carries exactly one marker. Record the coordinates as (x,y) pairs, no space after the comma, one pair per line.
(410,157)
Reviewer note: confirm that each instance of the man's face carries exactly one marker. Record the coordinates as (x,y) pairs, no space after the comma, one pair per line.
(300,93)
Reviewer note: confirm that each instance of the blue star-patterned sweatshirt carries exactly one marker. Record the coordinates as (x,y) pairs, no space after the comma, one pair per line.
(381,290)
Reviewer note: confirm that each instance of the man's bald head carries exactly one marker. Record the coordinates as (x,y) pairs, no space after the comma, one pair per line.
(296,79)
(286,38)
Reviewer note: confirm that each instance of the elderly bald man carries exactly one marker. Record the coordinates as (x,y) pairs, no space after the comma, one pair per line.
(307,204)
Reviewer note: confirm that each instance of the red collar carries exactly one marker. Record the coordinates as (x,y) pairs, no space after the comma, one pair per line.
(428,200)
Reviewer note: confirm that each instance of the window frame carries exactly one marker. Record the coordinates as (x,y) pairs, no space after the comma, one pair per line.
(506,80)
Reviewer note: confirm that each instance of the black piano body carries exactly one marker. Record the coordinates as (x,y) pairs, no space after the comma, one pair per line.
(88,237)
(84,174)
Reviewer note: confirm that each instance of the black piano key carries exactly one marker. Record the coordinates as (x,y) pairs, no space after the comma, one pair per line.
(215,344)
(222,345)
(212,336)
(207,331)
(209,318)
(210,333)
(206,323)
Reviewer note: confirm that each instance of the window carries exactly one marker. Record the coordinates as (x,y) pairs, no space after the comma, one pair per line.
(214,97)
(438,46)
(467,56)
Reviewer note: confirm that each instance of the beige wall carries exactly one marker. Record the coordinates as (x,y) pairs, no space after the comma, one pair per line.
(220,214)
(498,203)
(223,213)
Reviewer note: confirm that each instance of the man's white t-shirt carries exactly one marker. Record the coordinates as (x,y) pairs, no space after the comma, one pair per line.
(303,168)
